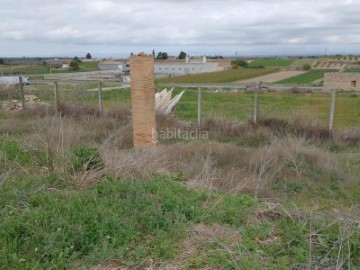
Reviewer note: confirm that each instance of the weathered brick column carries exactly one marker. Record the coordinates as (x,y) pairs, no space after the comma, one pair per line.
(143,100)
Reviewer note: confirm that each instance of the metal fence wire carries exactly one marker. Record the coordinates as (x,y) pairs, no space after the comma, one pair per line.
(197,104)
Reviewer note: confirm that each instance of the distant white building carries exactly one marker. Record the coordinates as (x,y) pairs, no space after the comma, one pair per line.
(199,65)
(121,66)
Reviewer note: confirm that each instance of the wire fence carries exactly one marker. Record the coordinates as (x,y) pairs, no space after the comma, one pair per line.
(58,93)
(313,108)
(197,104)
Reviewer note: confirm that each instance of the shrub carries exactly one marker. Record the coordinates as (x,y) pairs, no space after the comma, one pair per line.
(85,157)
(306,66)
(74,65)
(239,63)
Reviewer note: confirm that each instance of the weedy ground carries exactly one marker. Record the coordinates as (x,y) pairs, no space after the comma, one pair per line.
(74,194)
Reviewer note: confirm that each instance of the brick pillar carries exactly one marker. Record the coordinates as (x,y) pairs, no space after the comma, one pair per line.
(143,100)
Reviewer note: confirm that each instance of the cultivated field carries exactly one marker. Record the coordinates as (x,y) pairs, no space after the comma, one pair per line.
(36,69)
(305,78)
(274,77)
(231,75)
(352,70)
(271,62)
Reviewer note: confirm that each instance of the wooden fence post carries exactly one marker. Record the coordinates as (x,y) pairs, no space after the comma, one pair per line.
(332,112)
(199,108)
(56,91)
(256,107)
(22,93)
(10,95)
(100,98)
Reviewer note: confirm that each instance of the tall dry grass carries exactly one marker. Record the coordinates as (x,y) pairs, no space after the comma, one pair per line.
(291,153)
(225,167)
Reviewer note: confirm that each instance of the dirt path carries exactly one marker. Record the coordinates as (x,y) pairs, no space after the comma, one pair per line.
(274,77)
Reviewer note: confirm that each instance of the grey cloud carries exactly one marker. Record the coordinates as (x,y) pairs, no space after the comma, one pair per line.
(221,23)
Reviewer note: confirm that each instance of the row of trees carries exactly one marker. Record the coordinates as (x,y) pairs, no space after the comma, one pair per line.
(164,55)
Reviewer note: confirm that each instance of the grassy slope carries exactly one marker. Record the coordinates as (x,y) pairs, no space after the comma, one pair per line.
(272,62)
(307,77)
(231,75)
(299,63)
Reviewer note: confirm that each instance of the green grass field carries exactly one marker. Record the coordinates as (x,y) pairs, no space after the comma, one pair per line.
(89,66)
(305,78)
(43,69)
(352,70)
(230,75)
(273,62)
(45,224)
(225,104)
(239,106)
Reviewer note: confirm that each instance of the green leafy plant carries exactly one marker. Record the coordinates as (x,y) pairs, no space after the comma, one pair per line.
(85,157)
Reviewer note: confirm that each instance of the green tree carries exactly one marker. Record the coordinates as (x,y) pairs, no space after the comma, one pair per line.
(77,59)
(239,63)
(153,53)
(74,65)
(162,55)
(88,56)
(182,55)
(2,61)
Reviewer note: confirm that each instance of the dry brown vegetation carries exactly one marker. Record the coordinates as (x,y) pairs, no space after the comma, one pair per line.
(257,166)
(223,166)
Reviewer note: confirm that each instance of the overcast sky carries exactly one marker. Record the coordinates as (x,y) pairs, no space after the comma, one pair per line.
(116,28)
